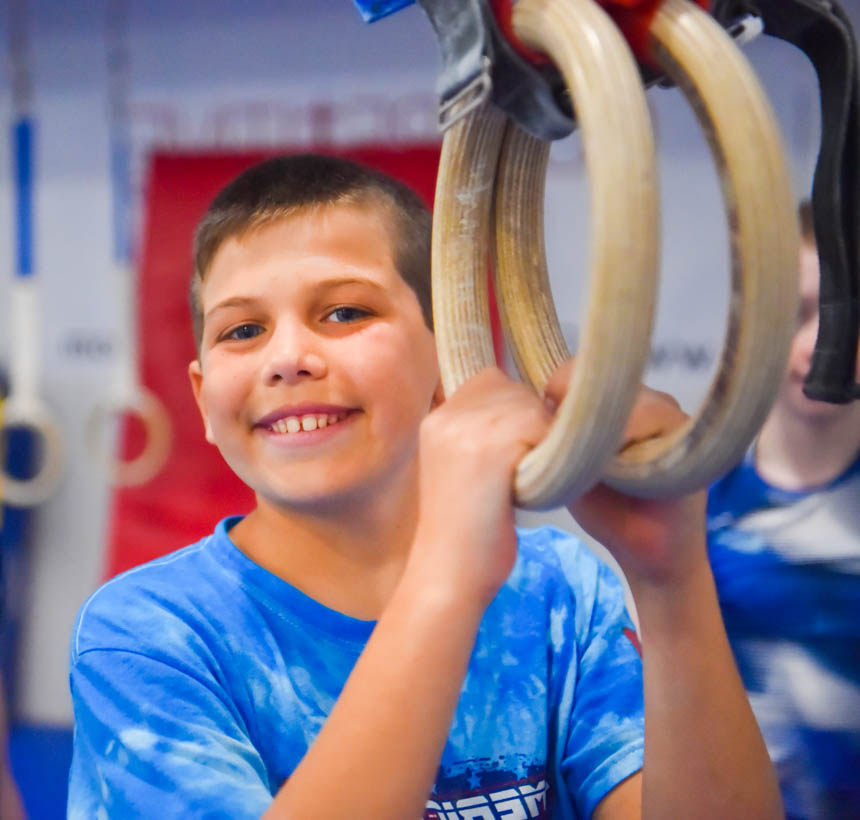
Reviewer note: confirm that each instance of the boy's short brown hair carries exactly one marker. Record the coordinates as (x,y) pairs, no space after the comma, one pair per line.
(284,186)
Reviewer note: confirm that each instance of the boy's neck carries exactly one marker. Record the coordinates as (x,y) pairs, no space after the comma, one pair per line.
(348,557)
(797,453)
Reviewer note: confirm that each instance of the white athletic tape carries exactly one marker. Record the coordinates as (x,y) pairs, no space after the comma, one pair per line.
(124,389)
(25,340)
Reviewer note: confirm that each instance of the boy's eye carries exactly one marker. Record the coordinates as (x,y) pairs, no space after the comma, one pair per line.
(347,313)
(241,332)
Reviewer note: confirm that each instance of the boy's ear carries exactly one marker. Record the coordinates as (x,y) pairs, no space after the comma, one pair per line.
(195,376)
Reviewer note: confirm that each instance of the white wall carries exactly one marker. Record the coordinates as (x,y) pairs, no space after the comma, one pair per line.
(209,74)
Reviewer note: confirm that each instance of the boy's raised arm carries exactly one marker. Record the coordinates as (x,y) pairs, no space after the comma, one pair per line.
(704,754)
(382,743)
(378,753)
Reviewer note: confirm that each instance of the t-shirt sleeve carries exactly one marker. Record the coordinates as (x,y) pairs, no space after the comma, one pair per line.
(606,722)
(153,739)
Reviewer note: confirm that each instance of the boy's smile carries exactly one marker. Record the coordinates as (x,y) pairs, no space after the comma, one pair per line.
(304,419)
(316,366)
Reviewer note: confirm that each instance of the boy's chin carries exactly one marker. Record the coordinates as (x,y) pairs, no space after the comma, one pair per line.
(810,410)
(330,487)
(299,484)
(309,499)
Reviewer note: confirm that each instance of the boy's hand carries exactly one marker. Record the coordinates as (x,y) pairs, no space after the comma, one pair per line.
(654,541)
(469,450)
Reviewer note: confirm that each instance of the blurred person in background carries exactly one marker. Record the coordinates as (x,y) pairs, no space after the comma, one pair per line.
(784,540)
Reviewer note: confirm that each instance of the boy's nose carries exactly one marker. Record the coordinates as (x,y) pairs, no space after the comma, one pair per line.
(292,363)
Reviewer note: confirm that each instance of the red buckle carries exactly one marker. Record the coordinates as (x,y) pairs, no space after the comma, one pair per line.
(633,17)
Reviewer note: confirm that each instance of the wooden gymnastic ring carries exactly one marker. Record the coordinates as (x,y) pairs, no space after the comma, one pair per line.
(133,472)
(722,89)
(460,244)
(35,416)
(616,128)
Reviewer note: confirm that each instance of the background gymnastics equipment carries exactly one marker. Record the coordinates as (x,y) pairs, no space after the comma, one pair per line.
(23,407)
(674,38)
(128,395)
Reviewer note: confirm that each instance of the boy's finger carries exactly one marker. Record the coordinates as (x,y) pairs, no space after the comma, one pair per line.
(558,383)
(655,414)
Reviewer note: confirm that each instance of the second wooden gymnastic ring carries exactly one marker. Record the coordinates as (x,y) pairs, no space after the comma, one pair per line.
(700,57)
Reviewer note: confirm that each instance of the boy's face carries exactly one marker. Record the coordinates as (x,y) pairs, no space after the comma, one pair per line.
(316,366)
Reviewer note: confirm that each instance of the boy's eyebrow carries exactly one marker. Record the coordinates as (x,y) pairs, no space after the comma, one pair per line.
(233,301)
(323,284)
(337,281)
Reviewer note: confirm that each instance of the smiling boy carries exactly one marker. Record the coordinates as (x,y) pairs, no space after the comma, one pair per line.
(375,639)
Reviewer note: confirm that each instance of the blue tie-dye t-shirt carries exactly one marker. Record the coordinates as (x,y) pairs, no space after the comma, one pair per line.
(787,567)
(199,681)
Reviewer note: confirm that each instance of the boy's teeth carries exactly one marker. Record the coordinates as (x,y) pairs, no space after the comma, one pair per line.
(295,424)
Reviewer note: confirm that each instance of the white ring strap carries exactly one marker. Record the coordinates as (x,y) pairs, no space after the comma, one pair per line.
(23,408)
